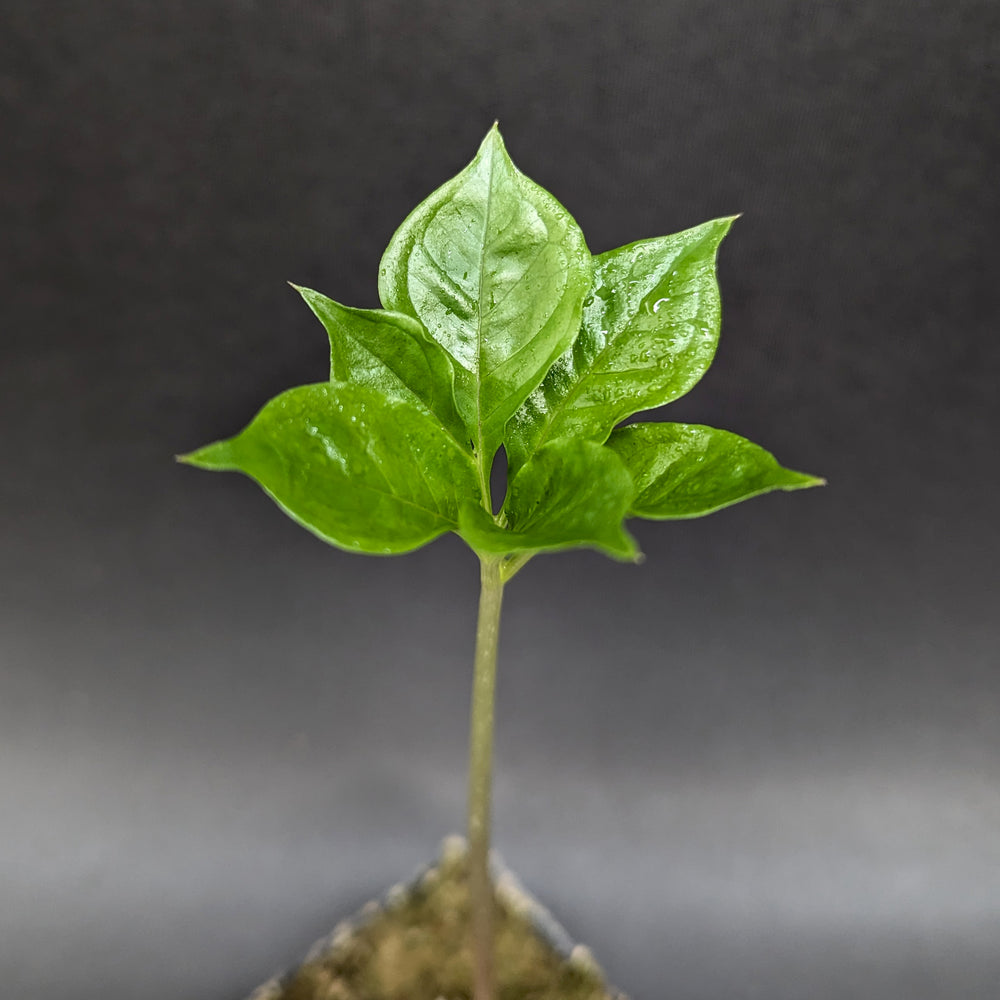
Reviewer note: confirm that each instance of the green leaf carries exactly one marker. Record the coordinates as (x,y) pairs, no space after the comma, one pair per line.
(687,470)
(500,328)
(571,493)
(363,473)
(496,270)
(389,352)
(650,330)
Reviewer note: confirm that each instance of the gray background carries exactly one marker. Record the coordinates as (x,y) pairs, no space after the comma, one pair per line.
(762,764)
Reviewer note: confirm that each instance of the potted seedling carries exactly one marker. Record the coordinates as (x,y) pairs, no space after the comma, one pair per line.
(499,330)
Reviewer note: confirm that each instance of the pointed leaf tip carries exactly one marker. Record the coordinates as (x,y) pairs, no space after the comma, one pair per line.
(807,481)
(493,138)
(217,456)
(726,221)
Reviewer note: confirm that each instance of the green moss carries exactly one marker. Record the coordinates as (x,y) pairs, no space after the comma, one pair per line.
(419,950)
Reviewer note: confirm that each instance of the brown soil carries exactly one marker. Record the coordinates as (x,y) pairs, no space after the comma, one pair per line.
(418,950)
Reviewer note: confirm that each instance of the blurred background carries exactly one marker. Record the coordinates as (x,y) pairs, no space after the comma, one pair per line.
(762,764)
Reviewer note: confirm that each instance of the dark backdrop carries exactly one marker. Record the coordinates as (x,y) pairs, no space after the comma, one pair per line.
(762,764)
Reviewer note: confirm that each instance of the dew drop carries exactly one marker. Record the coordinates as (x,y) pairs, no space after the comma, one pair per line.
(659,302)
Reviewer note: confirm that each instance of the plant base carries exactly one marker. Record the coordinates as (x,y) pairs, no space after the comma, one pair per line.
(413,945)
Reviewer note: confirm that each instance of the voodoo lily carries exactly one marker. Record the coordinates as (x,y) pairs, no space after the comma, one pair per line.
(500,329)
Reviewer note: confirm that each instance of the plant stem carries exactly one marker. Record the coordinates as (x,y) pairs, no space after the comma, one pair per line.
(481,776)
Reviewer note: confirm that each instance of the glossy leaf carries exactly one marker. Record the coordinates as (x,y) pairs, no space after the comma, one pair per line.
(687,470)
(649,332)
(496,270)
(499,327)
(362,472)
(389,352)
(571,493)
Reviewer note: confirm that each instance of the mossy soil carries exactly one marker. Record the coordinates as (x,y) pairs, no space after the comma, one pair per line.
(418,949)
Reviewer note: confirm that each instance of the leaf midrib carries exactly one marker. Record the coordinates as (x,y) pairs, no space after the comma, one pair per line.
(479,312)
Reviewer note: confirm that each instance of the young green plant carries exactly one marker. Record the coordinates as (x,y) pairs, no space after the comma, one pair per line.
(500,329)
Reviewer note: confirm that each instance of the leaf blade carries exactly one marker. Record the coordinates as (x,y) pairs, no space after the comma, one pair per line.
(496,270)
(390,352)
(571,494)
(649,332)
(361,472)
(689,470)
